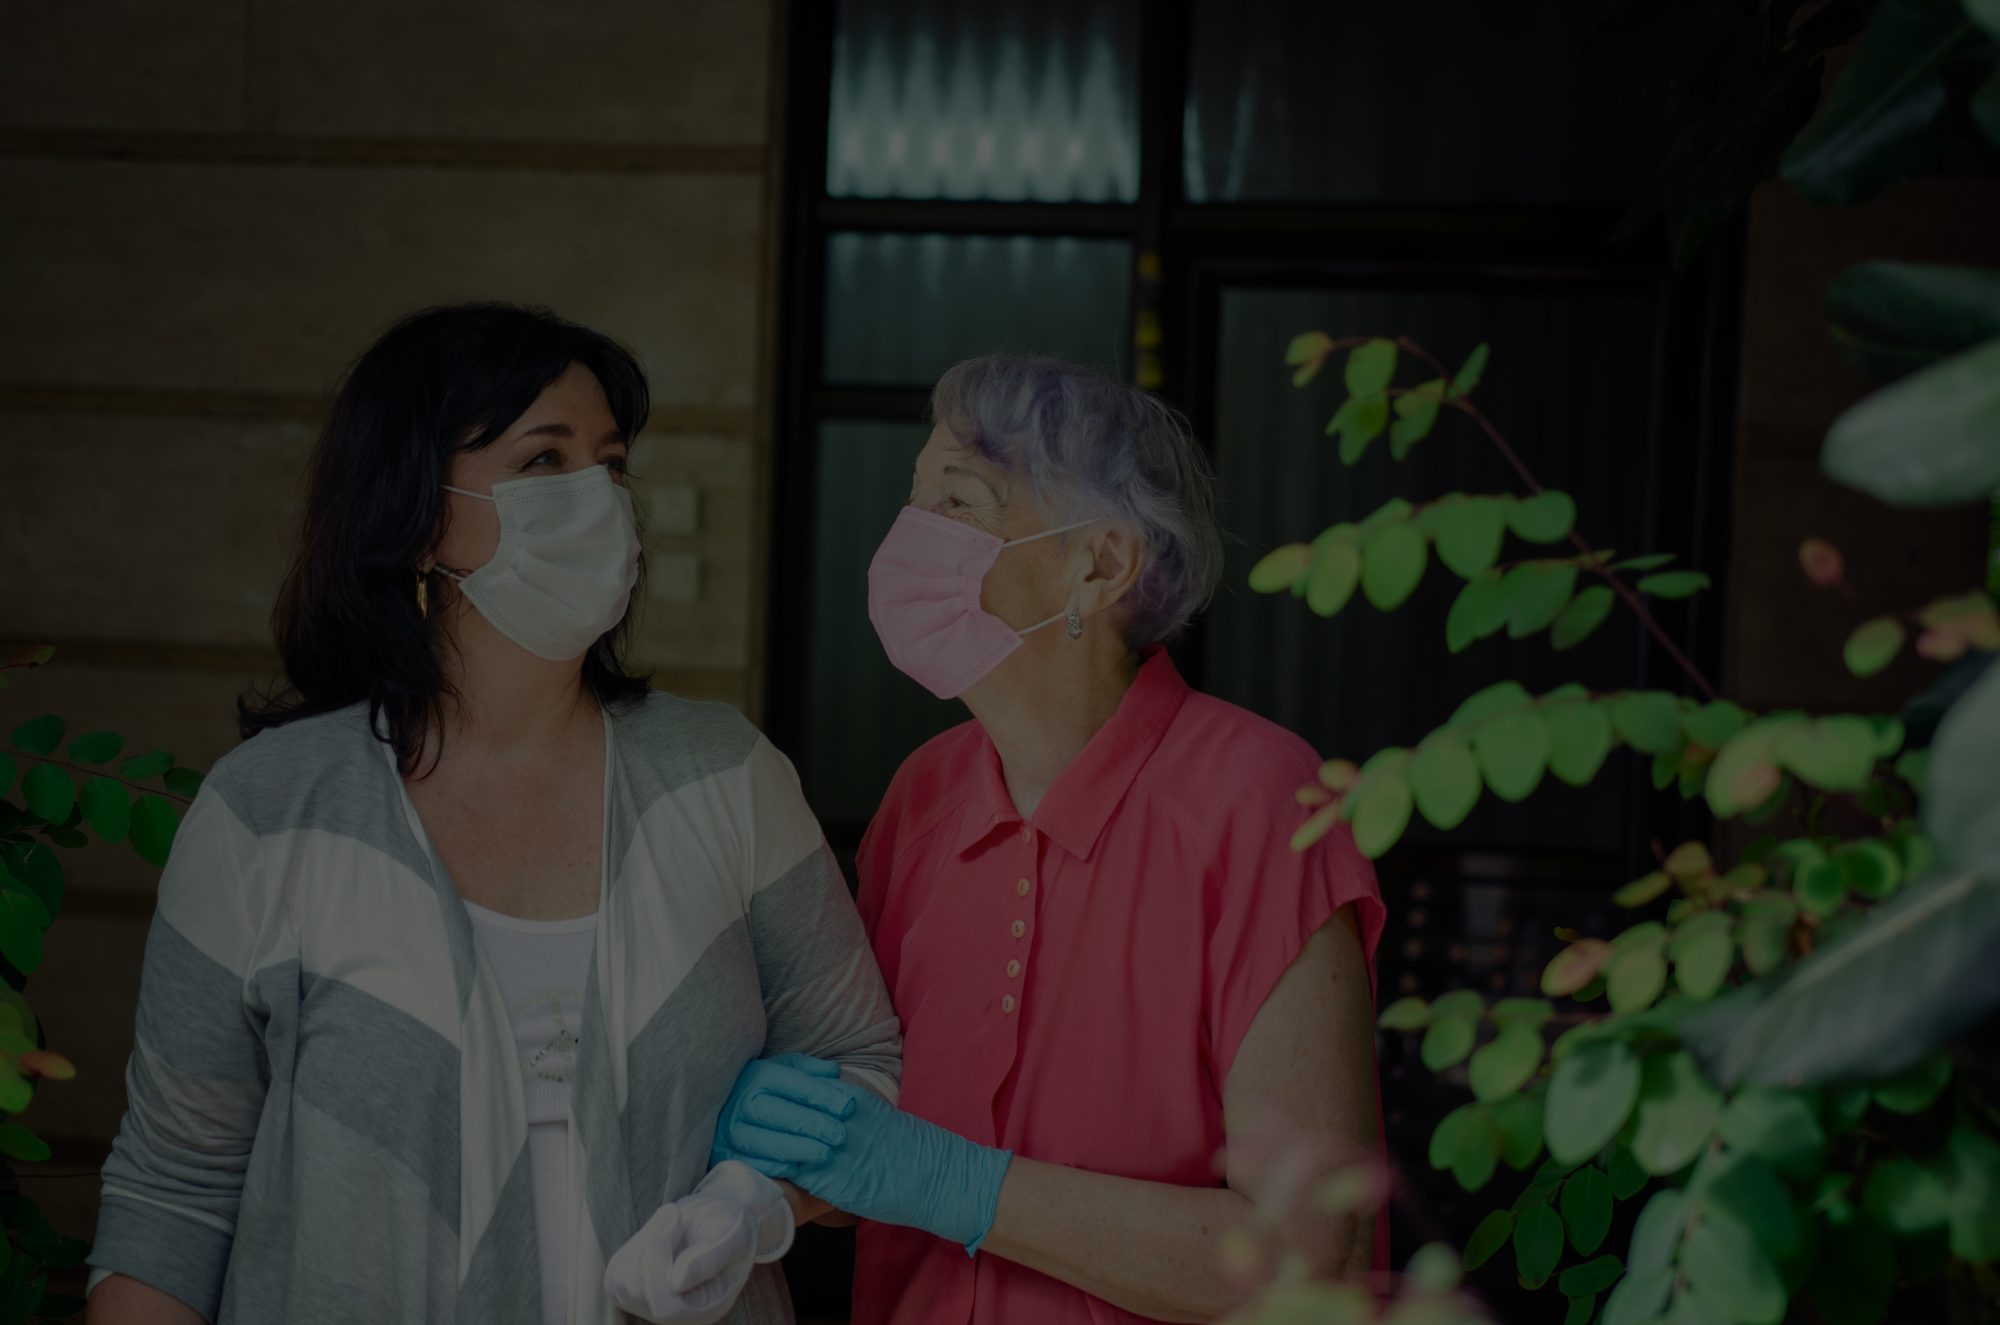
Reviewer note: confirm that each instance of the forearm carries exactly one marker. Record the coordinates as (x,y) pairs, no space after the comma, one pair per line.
(1148,1247)
(122,1300)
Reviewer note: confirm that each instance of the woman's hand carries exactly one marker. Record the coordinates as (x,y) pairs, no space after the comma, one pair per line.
(876,1161)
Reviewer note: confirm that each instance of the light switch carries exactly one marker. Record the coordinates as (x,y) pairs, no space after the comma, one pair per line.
(674,577)
(673,509)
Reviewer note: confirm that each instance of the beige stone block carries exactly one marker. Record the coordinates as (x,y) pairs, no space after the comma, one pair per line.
(122,64)
(695,71)
(714,631)
(1795,379)
(173,530)
(272,278)
(1785,638)
(85,995)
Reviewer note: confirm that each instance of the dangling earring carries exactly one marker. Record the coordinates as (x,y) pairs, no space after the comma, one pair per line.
(423,596)
(1075,624)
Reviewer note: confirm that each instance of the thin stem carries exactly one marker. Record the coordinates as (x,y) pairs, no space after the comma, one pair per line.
(1464,405)
(89,772)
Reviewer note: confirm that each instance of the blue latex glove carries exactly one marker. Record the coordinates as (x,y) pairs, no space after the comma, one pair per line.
(782,1112)
(879,1162)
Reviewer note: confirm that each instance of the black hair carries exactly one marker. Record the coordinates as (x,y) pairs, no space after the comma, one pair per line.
(440,381)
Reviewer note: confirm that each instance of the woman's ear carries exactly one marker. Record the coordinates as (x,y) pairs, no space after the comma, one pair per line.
(1116,560)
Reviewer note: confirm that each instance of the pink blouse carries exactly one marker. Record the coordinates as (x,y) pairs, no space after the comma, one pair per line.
(1074,987)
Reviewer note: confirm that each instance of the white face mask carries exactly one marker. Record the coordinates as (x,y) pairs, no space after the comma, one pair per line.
(567,560)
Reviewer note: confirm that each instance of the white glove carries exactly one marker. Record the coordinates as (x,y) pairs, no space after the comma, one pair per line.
(692,1258)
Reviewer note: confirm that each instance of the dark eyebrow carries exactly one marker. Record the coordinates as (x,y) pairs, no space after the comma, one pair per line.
(960,471)
(564,430)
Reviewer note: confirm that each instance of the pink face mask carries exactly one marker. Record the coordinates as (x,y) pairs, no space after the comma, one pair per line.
(923,596)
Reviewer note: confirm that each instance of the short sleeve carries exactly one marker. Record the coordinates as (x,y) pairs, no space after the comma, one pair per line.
(1270,900)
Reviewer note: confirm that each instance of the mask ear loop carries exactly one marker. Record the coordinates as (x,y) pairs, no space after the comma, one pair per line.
(1073,615)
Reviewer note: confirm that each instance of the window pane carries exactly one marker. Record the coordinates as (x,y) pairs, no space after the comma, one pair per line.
(903,308)
(1417,102)
(1026,101)
(863,717)
(1368,679)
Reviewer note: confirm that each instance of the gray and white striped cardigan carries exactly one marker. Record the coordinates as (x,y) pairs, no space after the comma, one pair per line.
(326,1119)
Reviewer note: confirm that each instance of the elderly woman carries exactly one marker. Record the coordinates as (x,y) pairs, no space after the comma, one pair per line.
(458,955)
(1105,955)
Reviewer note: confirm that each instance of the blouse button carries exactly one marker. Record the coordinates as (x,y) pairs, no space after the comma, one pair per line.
(1020,927)
(1027,833)
(1007,1005)
(1022,887)
(1013,970)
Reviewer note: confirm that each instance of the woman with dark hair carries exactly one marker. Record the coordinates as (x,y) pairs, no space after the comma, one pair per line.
(457,957)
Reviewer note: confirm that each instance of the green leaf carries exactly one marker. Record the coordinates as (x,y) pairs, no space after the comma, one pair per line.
(1673,583)
(1906,1198)
(1881,121)
(1466,380)
(17,1142)
(1433,1269)
(1643,890)
(1519,1121)
(49,793)
(1448,1041)
(1466,1143)
(1469,532)
(1916,1087)
(1460,1003)
(1974,1195)
(1505,1063)
(1765,932)
(1777,1125)
(1627,1178)
(1592,1276)
(1381,813)
(37,736)
(1703,949)
(1478,611)
(1638,1298)
(1586,1212)
(1332,573)
(1580,1309)
(1371,367)
(23,919)
(140,767)
(1745,1189)
(1536,593)
(1281,568)
(1405,1014)
(1820,885)
(1676,1112)
(1649,720)
(1534,1012)
(96,747)
(1500,697)
(1538,1244)
(1585,613)
(1657,1233)
(1361,420)
(1490,1236)
(1895,317)
(1393,565)
(1592,1092)
(107,808)
(1579,740)
(154,822)
(1445,779)
(1713,723)
(1636,975)
(1734,1272)
(1833,754)
(1926,440)
(1308,352)
(1964,778)
(1416,415)
(1546,517)
(1651,561)
(37,865)
(1512,751)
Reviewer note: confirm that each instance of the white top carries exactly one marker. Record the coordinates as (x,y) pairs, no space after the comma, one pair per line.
(541,967)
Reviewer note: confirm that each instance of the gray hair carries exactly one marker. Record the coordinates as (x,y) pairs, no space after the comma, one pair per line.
(1090,446)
